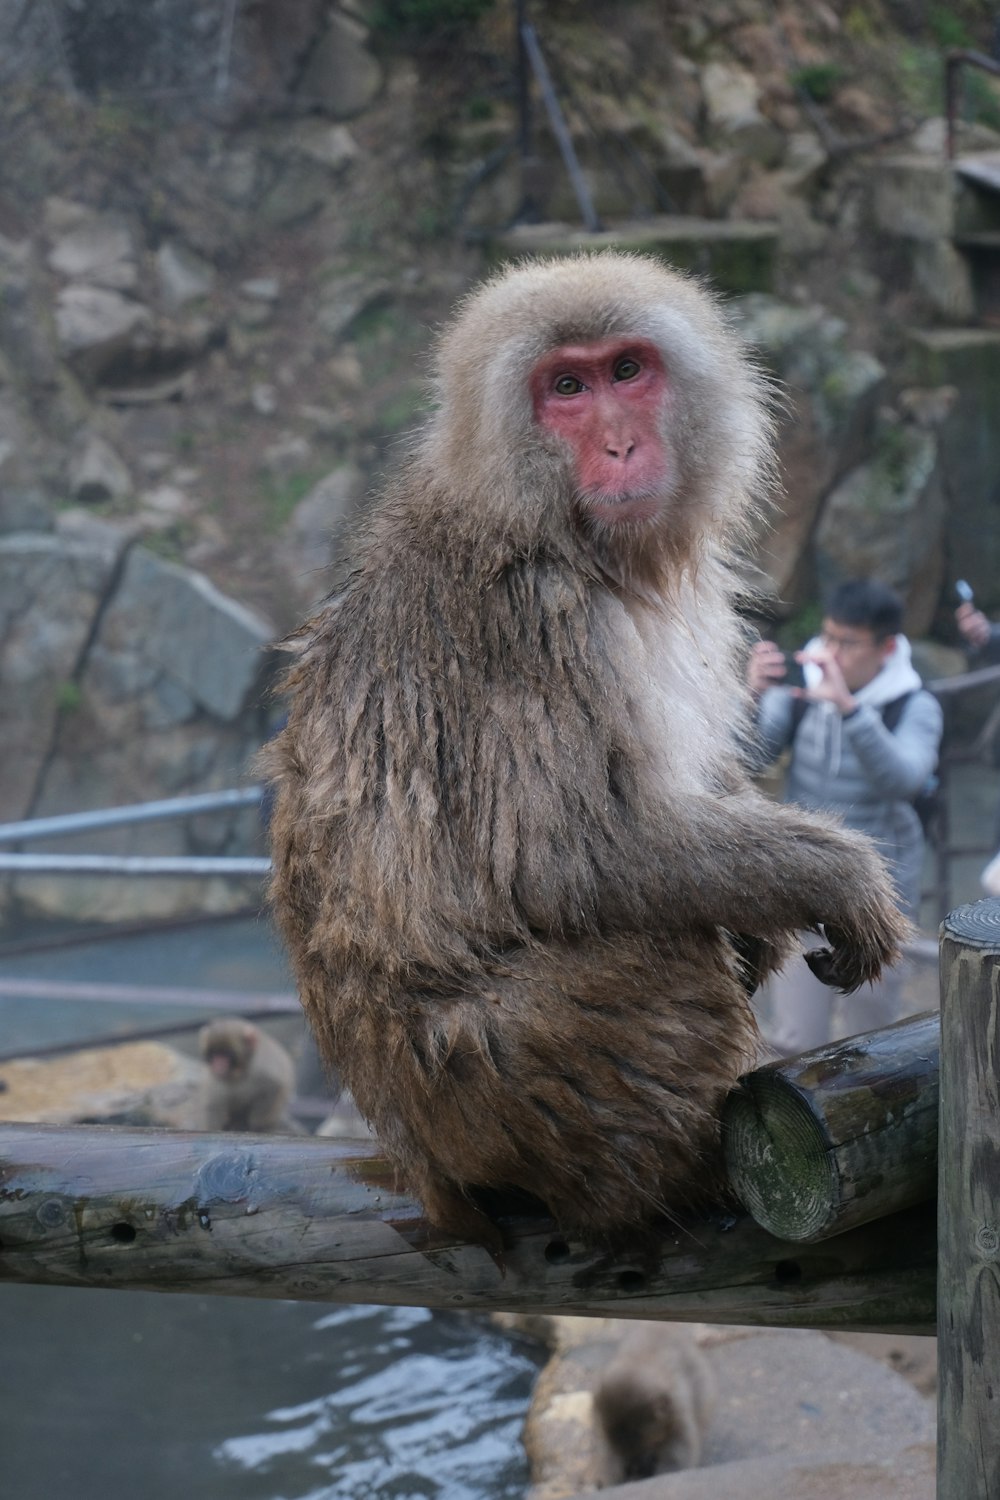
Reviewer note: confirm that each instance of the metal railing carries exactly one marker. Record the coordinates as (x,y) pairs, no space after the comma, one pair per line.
(30,829)
(955,62)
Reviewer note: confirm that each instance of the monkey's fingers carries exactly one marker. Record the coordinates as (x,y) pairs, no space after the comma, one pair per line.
(849,962)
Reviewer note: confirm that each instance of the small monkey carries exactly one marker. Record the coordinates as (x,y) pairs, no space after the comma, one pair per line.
(654,1402)
(249,1077)
(521,873)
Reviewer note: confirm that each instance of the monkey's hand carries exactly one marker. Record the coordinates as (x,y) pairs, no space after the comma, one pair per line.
(857,956)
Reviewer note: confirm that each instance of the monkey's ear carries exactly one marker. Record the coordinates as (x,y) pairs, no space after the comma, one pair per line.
(250,1037)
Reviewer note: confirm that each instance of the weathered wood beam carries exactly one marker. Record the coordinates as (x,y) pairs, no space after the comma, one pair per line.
(278,1216)
(969,1206)
(842,1135)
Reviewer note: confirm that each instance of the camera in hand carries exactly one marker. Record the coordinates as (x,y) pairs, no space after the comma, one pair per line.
(794,676)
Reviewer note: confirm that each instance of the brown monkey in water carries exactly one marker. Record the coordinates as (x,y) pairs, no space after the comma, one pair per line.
(249,1077)
(512,835)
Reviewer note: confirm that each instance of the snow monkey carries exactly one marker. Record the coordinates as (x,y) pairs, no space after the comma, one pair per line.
(249,1077)
(518,866)
(654,1402)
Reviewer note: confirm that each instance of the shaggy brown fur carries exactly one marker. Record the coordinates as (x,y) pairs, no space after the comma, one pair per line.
(511,832)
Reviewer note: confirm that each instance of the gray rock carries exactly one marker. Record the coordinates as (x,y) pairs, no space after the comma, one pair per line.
(207,644)
(332,146)
(731,104)
(914,197)
(261,288)
(50,594)
(942,274)
(824,424)
(905,1475)
(99,251)
(810,1415)
(347,299)
(98,473)
(309,545)
(184,276)
(94,325)
(341,77)
(23,508)
(885,519)
(731,94)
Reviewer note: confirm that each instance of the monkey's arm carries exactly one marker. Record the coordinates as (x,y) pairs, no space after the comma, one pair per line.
(748,865)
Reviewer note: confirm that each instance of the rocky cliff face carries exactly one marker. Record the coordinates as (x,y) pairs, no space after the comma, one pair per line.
(226,234)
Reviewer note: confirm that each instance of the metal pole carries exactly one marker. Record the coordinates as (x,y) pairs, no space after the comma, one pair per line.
(134,864)
(134,812)
(560,129)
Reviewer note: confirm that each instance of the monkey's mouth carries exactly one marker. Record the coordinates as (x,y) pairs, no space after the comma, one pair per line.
(612,508)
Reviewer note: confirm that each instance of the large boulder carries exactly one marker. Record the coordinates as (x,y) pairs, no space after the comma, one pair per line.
(96,325)
(125,678)
(824,422)
(885,519)
(50,594)
(309,544)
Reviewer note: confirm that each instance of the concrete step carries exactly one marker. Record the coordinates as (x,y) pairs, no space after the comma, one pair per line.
(738,256)
(926,198)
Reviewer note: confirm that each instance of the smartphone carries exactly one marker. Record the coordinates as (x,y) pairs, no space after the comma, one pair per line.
(963,590)
(794,676)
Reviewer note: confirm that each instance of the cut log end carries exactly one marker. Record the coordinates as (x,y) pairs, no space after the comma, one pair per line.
(777,1157)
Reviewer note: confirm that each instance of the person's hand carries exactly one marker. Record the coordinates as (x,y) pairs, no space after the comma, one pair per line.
(831,687)
(765,667)
(973,624)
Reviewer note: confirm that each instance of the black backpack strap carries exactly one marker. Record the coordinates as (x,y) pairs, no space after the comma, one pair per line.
(799,706)
(893,712)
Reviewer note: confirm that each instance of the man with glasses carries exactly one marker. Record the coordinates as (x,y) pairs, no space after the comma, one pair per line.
(863,737)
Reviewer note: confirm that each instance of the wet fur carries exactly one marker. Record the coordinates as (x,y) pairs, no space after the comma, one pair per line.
(511,830)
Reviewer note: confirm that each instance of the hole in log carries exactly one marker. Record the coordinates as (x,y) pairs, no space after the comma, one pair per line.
(122,1234)
(788,1270)
(556,1252)
(631,1281)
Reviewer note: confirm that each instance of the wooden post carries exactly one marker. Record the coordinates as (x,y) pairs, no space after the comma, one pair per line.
(969,1206)
(280,1216)
(842,1135)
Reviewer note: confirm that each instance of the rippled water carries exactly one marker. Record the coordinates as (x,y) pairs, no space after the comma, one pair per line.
(107,1393)
(223,1398)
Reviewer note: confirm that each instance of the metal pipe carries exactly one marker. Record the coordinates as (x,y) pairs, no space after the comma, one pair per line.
(147,994)
(134,864)
(134,812)
(560,129)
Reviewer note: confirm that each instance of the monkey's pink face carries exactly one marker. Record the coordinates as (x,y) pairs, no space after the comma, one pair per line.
(222,1064)
(608,401)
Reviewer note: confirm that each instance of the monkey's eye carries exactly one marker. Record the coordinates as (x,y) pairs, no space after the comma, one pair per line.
(627,369)
(568,385)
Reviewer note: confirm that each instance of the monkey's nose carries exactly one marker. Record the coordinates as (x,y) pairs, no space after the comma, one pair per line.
(620,447)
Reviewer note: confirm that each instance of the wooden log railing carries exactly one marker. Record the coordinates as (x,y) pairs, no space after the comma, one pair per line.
(969,1207)
(839,1136)
(273,1216)
(305,1218)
